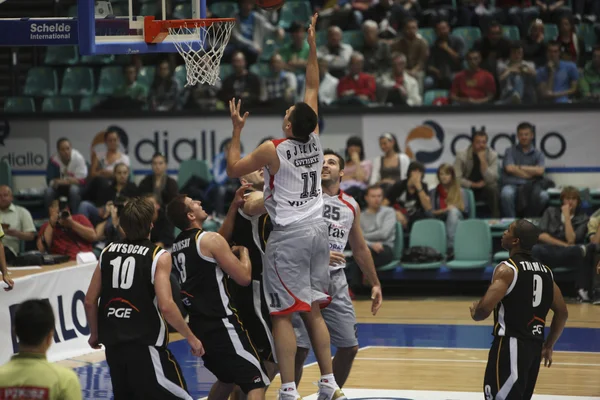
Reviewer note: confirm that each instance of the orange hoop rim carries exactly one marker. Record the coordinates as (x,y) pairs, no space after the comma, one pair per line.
(155,31)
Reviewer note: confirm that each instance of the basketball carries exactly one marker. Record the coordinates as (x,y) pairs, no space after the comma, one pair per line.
(270,4)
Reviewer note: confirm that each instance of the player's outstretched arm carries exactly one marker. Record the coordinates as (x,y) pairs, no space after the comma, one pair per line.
(364,259)
(311,94)
(168,308)
(502,280)
(91,306)
(239,269)
(558,324)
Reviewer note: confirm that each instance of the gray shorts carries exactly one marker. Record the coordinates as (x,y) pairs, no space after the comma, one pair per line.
(339,316)
(296,268)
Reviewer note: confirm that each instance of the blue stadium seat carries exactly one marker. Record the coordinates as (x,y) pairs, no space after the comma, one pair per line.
(182,11)
(41,81)
(78,81)
(224,9)
(550,32)
(472,245)
(428,34)
(586,32)
(511,32)
(189,168)
(146,75)
(468,34)
(353,38)
(294,11)
(111,79)
(89,102)
(431,95)
(61,55)
(398,248)
(19,105)
(430,233)
(57,104)
(180,75)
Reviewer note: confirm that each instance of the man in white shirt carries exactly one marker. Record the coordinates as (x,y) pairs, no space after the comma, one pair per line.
(398,86)
(335,52)
(16,222)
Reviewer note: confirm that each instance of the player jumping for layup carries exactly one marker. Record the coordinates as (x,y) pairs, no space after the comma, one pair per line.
(295,271)
(342,214)
(521,293)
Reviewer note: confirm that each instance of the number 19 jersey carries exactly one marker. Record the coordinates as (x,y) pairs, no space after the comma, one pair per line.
(293,194)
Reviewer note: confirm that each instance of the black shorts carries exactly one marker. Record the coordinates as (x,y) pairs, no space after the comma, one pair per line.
(249,301)
(145,372)
(512,369)
(229,353)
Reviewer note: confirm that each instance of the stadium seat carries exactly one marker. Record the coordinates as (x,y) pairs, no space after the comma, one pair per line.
(101,59)
(468,34)
(5,173)
(270,46)
(353,38)
(431,95)
(430,233)
(428,34)
(550,32)
(150,9)
(260,69)
(77,81)
(224,9)
(89,102)
(111,79)
(294,11)
(57,104)
(61,55)
(210,225)
(501,256)
(472,245)
(182,11)
(146,75)
(398,248)
(72,12)
(226,70)
(19,105)
(471,203)
(321,38)
(41,81)
(180,75)
(511,32)
(189,168)
(586,32)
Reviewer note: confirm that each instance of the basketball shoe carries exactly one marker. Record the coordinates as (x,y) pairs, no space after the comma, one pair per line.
(329,391)
(288,395)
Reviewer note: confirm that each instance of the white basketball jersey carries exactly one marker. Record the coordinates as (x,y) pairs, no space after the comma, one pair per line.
(294,193)
(339,212)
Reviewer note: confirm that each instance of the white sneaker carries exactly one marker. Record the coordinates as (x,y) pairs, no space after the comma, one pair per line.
(583,295)
(288,395)
(328,391)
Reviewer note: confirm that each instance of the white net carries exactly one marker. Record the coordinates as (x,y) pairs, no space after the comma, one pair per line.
(202,47)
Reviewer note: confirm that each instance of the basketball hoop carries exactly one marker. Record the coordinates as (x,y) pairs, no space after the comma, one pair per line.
(201,43)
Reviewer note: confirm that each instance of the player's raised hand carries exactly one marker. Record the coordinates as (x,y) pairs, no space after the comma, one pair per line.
(312,36)
(547,355)
(376,299)
(240,195)
(238,120)
(196,346)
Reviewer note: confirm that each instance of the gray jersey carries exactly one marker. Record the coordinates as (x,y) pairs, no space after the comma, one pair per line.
(339,212)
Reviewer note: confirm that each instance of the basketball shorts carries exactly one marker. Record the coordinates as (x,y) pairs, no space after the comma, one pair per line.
(296,267)
(229,353)
(141,372)
(338,315)
(512,369)
(249,301)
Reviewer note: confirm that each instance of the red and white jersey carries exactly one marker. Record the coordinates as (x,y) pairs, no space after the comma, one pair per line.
(294,193)
(339,212)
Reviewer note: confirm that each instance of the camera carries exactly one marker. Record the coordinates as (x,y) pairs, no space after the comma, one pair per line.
(119,203)
(63,204)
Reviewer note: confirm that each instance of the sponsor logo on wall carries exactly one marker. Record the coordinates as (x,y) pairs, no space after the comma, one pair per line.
(22,153)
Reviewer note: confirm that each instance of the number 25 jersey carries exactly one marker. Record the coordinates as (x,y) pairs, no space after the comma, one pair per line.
(339,212)
(294,193)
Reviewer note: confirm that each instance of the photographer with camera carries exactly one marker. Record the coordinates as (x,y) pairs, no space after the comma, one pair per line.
(110,229)
(65,233)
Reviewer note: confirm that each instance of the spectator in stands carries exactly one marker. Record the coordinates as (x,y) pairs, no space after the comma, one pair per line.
(163,230)
(17,224)
(593,232)
(534,46)
(387,15)
(66,173)
(557,79)
(522,173)
(594,238)
(562,229)
(379,226)
(3,268)
(477,169)
(202,96)
(280,86)
(571,47)
(474,85)
(590,80)
(328,83)
(445,58)
(222,189)
(411,10)
(398,87)
(517,78)
(357,170)
(165,91)
(295,53)
(28,375)
(65,233)
(120,185)
(519,13)
(410,197)
(438,10)
(392,165)
(551,10)
(493,47)
(241,84)
(415,48)
(357,87)
(250,32)
(336,53)
(132,88)
(378,59)
(110,230)
(586,10)
(448,201)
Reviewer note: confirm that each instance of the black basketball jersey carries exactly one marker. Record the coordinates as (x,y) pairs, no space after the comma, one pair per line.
(252,233)
(128,309)
(523,310)
(204,289)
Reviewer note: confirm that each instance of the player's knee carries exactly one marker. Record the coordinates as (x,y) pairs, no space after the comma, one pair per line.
(348,352)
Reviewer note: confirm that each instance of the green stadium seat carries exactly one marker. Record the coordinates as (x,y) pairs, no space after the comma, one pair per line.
(150,9)
(224,9)
(430,233)
(398,248)
(180,75)
(586,32)
(72,12)
(471,203)
(550,32)
(189,168)
(41,81)
(472,245)
(89,102)
(431,95)
(5,173)
(428,34)
(353,38)
(61,55)
(100,59)
(226,70)
(210,225)
(295,11)
(511,32)
(111,79)
(120,10)
(78,81)
(501,256)
(321,38)
(468,34)
(182,11)
(146,75)
(270,46)
(260,69)
(57,104)
(19,105)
